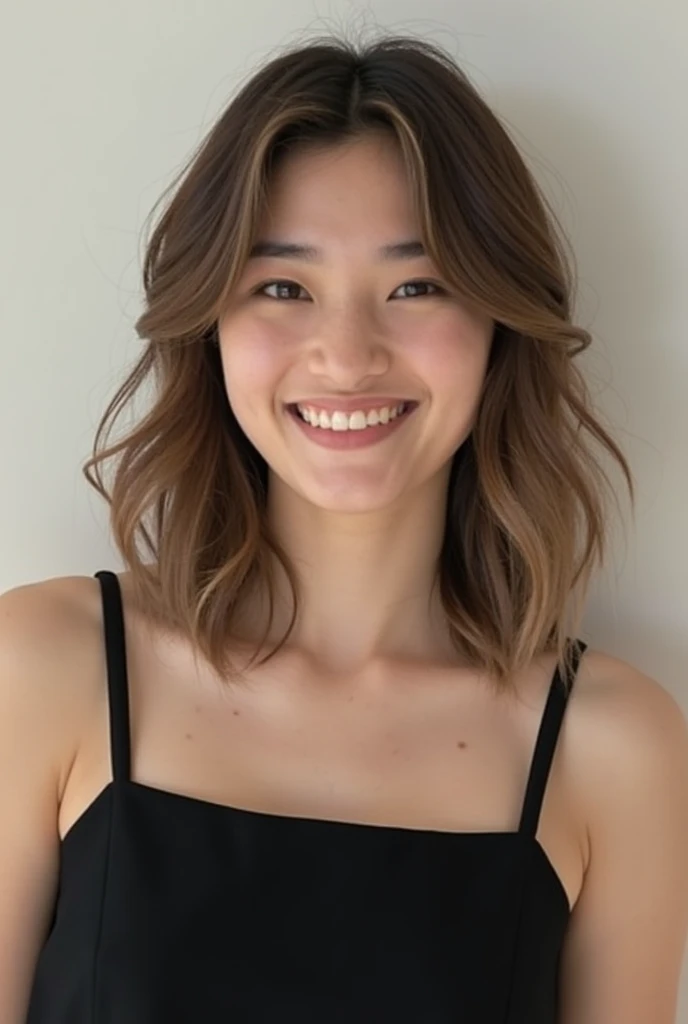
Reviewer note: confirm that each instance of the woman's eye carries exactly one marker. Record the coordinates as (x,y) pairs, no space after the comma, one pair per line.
(423,284)
(277,284)
(286,285)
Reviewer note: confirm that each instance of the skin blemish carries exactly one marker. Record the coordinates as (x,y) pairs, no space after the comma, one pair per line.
(461,744)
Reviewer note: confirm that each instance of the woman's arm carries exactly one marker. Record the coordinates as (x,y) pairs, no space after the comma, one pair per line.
(36,712)
(626,941)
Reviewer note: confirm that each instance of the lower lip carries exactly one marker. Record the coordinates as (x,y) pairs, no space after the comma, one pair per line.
(350,438)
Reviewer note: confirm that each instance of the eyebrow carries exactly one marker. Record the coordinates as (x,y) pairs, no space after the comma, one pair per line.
(409,250)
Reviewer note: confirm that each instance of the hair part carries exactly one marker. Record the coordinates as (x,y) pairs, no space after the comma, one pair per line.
(527,504)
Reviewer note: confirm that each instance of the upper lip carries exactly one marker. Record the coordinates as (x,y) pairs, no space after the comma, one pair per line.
(352,404)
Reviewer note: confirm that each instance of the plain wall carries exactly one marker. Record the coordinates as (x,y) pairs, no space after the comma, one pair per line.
(103,102)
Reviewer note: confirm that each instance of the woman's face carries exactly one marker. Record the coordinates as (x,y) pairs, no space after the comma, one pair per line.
(347,322)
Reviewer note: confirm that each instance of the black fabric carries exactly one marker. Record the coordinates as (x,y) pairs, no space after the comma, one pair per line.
(174,910)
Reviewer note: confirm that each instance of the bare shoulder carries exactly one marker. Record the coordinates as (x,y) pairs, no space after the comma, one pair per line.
(50,656)
(625,711)
(629,727)
(53,605)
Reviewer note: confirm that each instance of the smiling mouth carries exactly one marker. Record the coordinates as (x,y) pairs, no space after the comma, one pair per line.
(293,409)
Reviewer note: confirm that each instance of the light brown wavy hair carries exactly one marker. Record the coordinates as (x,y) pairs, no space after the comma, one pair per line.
(526,517)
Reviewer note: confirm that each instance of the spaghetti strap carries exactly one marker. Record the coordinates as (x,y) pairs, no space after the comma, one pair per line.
(547,740)
(117,682)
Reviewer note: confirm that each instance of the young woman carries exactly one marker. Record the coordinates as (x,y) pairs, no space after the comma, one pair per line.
(330,751)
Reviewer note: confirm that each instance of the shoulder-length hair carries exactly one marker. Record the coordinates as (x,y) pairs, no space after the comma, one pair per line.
(526,518)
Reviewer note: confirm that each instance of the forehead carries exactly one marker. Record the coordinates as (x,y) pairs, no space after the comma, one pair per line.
(341,187)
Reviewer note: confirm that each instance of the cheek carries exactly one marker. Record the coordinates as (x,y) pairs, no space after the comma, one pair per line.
(453,357)
(252,360)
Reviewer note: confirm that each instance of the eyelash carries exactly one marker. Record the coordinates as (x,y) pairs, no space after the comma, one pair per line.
(266,284)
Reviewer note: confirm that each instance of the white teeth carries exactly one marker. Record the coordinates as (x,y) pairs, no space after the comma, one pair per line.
(343,421)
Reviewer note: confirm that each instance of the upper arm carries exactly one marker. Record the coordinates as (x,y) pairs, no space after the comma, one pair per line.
(35,737)
(626,940)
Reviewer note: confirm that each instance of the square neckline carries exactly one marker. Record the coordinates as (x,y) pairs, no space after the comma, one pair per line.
(115,790)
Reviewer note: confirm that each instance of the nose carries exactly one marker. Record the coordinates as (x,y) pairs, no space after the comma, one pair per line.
(347,349)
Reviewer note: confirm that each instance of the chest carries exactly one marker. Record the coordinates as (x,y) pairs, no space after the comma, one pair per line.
(416,746)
